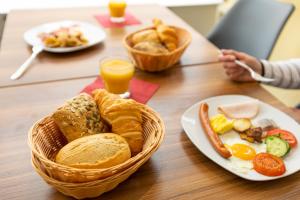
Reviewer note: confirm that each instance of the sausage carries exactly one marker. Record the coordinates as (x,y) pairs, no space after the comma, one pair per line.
(210,133)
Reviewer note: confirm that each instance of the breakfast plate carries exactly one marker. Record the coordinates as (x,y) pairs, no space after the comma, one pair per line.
(193,128)
(92,33)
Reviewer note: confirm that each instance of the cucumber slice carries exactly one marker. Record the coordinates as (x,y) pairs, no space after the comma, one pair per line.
(276,146)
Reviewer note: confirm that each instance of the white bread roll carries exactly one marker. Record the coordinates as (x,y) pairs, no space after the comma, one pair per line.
(95,152)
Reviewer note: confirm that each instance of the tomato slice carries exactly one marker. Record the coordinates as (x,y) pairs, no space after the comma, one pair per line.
(268,164)
(285,135)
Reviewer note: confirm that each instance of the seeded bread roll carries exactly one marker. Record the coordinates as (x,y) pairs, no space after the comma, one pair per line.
(95,152)
(79,117)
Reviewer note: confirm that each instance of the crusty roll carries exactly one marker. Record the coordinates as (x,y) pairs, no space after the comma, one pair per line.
(95,152)
(79,117)
(151,47)
(145,36)
(166,34)
(123,115)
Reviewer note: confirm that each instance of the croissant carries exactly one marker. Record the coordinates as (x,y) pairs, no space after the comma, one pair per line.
(166,34)
(123,115)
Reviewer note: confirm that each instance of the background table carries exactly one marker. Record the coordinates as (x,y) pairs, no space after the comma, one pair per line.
(177,170)
(50,67)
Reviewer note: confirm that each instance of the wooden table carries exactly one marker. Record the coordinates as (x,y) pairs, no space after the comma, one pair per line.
(50,67)
(176,171)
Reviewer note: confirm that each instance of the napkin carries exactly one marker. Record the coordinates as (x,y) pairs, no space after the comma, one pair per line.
(140,90)
(104,20)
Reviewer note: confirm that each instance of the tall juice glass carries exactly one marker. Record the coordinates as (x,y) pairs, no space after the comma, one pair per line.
(117,10)
(116,74)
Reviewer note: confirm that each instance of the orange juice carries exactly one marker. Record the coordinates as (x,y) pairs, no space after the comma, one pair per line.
(116,74)
(117,8)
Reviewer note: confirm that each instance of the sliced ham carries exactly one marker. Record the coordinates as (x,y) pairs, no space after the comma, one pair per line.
(247,109)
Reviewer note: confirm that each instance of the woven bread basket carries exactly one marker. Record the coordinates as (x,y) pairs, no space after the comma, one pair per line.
(45,140)
(157,62)
(89,189)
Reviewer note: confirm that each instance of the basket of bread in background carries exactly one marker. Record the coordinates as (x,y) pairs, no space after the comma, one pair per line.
(92,143)
(158,47)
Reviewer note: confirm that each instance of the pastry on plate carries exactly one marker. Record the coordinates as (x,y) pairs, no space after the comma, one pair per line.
(79,117)
(64,37)
(95,152)
(124,116)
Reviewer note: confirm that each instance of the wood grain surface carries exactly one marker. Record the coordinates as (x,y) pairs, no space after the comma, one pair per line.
(176,171)
(50,67)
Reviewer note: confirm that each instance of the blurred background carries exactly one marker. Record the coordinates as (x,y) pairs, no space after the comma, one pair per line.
(200,14)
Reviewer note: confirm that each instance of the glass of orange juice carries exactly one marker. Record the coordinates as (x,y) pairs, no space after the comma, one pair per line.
(116,74)
(117,10)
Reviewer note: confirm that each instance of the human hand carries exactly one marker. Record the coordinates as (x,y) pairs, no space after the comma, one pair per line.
(236,72)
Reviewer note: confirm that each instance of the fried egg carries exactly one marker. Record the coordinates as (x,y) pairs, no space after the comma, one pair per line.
(242,151)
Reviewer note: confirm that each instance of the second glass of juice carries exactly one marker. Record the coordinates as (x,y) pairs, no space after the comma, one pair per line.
(116,74)
(117,10)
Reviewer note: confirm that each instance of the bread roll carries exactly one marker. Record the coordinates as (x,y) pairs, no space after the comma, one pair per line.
(124,116)
(95,152)
(79,117)
(145,36)
(151,47)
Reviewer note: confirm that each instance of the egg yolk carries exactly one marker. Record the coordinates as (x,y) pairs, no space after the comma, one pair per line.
(243,151)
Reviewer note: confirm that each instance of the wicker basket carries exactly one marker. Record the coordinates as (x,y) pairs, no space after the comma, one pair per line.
(45,140)
(88,189)
(157,62)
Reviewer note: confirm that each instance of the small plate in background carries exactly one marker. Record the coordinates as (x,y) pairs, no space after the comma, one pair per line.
(94,35)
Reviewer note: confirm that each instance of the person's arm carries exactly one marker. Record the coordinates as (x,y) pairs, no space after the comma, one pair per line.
(236,72)
(285,73)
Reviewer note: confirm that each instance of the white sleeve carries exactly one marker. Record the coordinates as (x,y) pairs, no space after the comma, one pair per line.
(285,73)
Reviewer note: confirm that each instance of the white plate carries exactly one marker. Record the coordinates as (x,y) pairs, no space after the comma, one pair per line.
(194,131)
(93,33)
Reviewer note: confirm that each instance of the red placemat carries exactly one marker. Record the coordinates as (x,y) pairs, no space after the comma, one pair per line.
(104,20)
(140,90)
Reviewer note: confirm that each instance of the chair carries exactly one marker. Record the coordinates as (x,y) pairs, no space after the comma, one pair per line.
(2,21)
(252,26)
